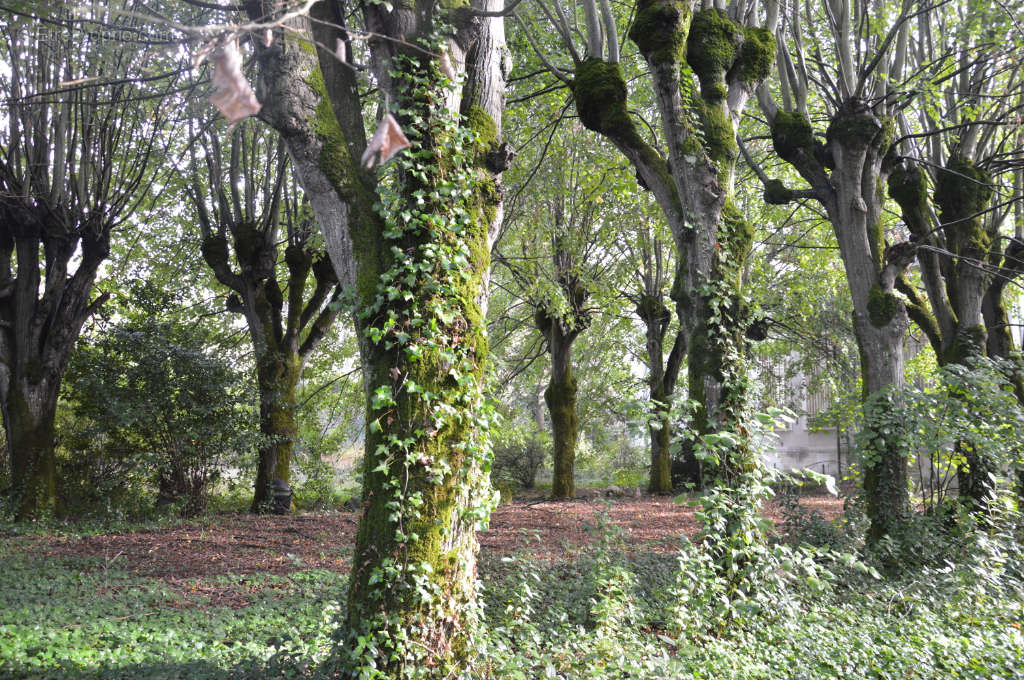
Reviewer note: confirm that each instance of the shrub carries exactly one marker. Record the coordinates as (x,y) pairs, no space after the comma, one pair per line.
(154,410)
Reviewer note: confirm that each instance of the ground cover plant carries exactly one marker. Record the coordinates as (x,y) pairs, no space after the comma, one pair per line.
(572,589)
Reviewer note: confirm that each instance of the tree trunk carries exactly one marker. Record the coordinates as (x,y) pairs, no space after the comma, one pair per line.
(28,422)
(560,397)
(278,379)
(418,280)
(884,457)
(661,455)
(661,381)
(857,149)
(966,300)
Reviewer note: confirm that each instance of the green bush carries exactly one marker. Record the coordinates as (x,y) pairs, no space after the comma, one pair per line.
(152,413)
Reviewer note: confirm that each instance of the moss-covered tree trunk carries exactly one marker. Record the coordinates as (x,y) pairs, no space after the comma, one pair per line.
(28,423)
(694,184)
(660,432)
(412,243)
(857,149)
(278,378)
(560,397)
(662,374)
(967,316)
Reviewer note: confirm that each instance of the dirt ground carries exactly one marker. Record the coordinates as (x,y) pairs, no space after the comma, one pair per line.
(247,544)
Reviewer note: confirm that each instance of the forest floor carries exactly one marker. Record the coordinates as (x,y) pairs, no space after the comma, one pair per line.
(191,560)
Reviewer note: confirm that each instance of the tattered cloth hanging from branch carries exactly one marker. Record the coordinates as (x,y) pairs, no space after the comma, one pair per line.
(233,96)
(385,143)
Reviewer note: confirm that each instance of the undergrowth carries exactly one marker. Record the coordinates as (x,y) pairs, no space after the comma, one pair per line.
(608,612)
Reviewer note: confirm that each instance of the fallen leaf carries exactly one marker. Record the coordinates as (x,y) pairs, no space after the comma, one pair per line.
(387,141)
(233,96)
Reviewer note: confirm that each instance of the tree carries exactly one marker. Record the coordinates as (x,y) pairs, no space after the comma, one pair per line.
(243,192)
(412,244)
(847,176)
(77,146)
(155,396)
(967,151)
(703,63)
(563,220)
(653,266)
(864,100)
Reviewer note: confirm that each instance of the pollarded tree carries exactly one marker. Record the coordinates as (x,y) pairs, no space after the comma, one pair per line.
(76,145)
(653,263)
(412,245)
(563,223)
(960,149)
(247,208)
(704,60)
(863,98)
(846,174)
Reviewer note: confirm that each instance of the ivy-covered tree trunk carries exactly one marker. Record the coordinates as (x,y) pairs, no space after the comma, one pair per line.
(414,249)
(857,151)
(278,378)
(28,413)
(683,43)
(884,457)
(560,397)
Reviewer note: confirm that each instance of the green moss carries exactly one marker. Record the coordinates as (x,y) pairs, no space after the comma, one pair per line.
(650,308)
(560,397)
(962,192)
(297,258)
(352,186)
(882,306)
(776,193)
(485,128)
(736,232)
(215,250)
(335,161)
(909,188)
(888,134)
(719,134)
(855,128)
(791,134)
(711,47)
(600,93)
(659,30)
(757,54)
